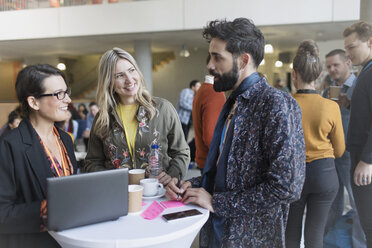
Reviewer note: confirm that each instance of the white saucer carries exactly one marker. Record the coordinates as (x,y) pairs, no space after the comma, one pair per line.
(161,193)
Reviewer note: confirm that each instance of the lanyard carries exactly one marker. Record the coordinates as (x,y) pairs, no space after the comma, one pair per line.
(131,143)
(226,127)
(52,159)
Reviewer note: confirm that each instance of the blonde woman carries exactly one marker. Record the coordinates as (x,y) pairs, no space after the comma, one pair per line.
(130,120)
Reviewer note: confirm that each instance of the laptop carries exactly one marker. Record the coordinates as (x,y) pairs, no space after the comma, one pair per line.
(85,199)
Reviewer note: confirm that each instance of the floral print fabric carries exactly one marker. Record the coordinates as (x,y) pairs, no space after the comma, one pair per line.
(265,170)
(163,129)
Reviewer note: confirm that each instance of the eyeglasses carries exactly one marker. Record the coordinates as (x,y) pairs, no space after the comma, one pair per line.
(60,94)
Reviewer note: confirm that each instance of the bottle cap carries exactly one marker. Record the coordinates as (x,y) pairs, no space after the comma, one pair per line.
(154,146)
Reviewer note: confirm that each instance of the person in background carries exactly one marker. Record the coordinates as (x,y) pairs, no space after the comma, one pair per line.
(83,111)
(324,140)
(206,108)
(321,86)
(281,85)
(93,110)
(358,47)
(14,118)
(30,154)
(256,161)
(184,106)
(70,126)
(130,120)
(338,66)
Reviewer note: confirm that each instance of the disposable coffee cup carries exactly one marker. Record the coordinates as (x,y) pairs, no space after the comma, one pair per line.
(136,175)
(334,92)
(134,198)
(151,186)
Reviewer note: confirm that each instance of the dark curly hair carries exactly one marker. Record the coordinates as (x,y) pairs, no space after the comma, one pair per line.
(241,36)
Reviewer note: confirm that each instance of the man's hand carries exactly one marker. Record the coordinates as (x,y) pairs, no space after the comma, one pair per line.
(363,174)
(343,101)
(164,178)
(175,190)
(200,197)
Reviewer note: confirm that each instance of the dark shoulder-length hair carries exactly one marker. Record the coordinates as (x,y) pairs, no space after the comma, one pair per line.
(30,82)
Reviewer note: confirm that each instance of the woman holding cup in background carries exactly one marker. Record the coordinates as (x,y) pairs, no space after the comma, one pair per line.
(130,120)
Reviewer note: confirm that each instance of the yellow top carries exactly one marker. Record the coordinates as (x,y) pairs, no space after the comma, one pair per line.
(127,115)
(322,125)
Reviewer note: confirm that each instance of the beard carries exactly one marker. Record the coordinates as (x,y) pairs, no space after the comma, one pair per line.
(225,81)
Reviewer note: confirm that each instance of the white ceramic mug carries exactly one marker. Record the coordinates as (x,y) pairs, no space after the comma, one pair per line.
(151,186)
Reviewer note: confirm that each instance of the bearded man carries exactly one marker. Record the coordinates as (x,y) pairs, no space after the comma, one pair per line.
(256,162)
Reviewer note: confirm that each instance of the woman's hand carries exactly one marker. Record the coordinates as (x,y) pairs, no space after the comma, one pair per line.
(176,189)
(164,178)
(363,174)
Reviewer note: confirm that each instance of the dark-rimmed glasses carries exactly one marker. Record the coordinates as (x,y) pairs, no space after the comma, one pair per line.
(60,94)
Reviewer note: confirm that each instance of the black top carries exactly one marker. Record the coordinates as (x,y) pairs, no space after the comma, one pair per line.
(359,136)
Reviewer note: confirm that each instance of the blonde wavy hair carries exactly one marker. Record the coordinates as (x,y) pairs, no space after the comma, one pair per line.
(106,97)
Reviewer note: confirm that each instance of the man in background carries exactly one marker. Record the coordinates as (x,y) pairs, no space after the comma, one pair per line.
(358,47)
(338,66)
(184,106)
(281,85)
(206,108)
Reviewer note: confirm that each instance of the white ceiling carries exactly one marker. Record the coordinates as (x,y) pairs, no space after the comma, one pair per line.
(283,37)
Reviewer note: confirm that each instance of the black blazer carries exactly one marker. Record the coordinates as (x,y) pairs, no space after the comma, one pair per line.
(24,168)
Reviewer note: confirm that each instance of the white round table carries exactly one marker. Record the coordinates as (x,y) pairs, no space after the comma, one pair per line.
(134,231)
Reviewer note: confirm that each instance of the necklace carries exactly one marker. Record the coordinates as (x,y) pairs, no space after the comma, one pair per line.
(52,159)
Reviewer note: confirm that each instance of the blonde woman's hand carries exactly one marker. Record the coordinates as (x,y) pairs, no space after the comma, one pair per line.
(363,174)
(175,189)
(164,178)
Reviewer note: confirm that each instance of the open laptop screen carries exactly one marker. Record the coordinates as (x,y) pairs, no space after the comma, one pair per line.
(86,198)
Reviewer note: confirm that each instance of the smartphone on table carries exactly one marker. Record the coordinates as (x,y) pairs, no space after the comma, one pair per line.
(181,215)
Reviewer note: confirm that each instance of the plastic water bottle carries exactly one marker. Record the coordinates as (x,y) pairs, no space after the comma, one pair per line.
(154,161)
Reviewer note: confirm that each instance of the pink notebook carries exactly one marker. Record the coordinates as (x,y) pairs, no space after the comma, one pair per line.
(172,204)
(153,211)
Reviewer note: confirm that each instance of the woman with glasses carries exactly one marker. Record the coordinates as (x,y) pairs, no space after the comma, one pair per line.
(130,121)
(30,154)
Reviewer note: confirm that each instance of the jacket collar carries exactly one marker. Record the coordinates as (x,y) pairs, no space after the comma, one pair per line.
(36,155)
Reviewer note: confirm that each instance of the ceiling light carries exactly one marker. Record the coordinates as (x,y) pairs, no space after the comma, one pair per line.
(291,65)
(184,52)
(61,66)
(262,62)
(269,48)
(278,63)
